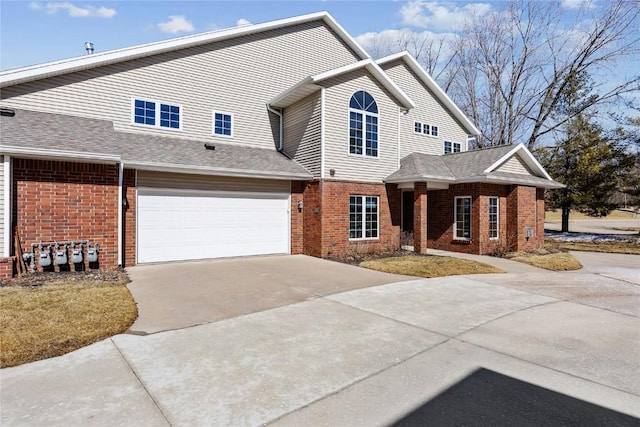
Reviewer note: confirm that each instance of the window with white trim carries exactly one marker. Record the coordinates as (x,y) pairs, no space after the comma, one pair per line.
(493,217)
(363,125)
(462,218)
(157,114)
(452,147)
(363,217)
(425,129)
(222,124)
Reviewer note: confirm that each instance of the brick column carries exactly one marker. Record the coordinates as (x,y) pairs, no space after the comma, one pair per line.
(420,217)
(522,206)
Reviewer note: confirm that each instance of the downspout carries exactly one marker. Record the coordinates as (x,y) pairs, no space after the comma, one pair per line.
(120,211)
(279,114)
(8,241)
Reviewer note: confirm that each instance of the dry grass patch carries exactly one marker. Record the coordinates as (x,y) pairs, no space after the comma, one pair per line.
(429,266)
(608,247)
(556,215)
(554,262)
(44,321)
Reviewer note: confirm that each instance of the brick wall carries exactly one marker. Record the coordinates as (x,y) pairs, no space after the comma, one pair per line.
(326,217)
(519,207)
(7,268)
(61,201)
(129,223)
(297,217)
(525,210)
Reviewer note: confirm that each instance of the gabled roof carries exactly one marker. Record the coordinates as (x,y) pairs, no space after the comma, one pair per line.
(472,166)
(44,135)
(435,88)
(49,69)
(313,83)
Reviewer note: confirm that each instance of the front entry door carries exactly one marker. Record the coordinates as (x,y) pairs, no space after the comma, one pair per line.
(407,211)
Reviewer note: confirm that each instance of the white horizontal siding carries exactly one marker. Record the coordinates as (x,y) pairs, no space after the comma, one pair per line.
(237,76)
(150,179)
(428,110)
(302,128)
(514,165)
(337,96)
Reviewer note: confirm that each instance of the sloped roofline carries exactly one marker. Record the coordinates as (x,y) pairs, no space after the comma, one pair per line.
(435,88)
(40,71)
(525,155)
(300,90)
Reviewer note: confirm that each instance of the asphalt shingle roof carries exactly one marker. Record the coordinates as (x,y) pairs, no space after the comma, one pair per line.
(465,166)
(46,131)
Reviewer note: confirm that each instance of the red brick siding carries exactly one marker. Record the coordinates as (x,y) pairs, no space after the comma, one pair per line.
(61,201)
(297,217)
(326,227)
(129,223)
(525,209)
(7,268)
(420,222)
(517,207)
(312,217)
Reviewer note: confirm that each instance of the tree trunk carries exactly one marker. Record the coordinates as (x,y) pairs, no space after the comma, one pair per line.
(565,219)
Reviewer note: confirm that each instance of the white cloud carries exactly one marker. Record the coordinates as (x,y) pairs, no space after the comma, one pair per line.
(243,21)
(440,16)
(76,11)
(578,4)
(176,24)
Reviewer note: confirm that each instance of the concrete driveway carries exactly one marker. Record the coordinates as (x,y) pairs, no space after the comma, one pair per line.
(563,344)
(180,295)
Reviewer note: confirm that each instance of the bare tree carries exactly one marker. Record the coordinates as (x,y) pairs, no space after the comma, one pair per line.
(432,51)
(512,66)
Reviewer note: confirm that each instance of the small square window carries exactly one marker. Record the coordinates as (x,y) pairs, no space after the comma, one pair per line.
(434,130)
(425,129)
(417,127)
(222,124)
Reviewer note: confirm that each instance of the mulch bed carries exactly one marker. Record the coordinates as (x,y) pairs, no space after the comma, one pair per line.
(41,278)
(357,258)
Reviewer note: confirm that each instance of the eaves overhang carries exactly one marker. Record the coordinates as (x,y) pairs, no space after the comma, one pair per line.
(244,173)
(49,69)
(47,154)
(314,83)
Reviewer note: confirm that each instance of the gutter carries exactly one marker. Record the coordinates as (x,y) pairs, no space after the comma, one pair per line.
(120,212)
(243,173)
(39,153)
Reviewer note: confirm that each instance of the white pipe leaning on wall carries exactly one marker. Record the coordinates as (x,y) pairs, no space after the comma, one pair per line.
(120,179)
(8,242)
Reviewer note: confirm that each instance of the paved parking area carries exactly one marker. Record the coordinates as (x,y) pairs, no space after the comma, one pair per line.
(366,356)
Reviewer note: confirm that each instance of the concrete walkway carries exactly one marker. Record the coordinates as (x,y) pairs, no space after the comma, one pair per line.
(364,357)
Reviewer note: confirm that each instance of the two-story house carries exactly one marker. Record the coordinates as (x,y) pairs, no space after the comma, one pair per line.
(281,137)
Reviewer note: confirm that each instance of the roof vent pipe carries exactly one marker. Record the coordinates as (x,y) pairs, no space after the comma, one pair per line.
(88,47)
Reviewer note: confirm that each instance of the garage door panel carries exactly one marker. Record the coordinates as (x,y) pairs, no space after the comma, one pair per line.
(175,227)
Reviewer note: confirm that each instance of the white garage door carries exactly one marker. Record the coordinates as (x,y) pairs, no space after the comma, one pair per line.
(185,225)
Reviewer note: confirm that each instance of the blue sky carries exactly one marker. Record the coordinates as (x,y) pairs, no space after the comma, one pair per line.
(33,32)
(36,32)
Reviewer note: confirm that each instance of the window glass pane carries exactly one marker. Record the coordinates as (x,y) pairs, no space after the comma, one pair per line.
(447,147)
(417,127)
(425,128)
(355,133)
(456,147)
(434,130)
(493,217)
(463,218)
(355,217)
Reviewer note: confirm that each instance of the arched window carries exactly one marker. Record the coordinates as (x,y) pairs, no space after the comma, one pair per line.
(363,125)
